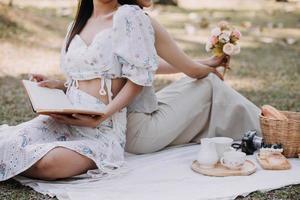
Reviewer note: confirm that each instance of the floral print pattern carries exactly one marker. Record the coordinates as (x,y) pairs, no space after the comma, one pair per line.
(23,145)
(2,169)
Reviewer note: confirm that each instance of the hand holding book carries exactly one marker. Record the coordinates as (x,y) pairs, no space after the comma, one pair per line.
(80,119)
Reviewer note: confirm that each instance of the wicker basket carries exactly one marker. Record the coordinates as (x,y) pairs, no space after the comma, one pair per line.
(286,133)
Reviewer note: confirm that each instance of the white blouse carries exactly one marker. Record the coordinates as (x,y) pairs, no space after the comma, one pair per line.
(125,50)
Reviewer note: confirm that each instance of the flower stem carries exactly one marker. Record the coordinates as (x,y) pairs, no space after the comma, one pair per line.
(224,72)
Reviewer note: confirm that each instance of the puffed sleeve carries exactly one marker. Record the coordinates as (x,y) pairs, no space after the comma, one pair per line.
(133,45)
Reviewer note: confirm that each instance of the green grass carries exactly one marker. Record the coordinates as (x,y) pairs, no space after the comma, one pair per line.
(264,73)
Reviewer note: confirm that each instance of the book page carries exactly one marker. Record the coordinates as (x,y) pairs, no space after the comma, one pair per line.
(47,101)
(45,98)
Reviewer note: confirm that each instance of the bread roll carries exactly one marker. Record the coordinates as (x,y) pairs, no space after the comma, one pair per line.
(271,112)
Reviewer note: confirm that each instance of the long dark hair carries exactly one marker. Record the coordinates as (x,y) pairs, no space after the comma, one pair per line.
(84,12)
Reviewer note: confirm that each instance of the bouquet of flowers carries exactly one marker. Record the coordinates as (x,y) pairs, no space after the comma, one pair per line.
(224,40)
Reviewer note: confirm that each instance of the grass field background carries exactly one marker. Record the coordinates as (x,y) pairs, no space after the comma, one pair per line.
(267,71)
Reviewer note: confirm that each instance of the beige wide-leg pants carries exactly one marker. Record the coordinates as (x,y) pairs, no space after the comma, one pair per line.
(188,110)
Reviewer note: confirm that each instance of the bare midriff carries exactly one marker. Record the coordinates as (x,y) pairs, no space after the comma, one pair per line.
(93,86)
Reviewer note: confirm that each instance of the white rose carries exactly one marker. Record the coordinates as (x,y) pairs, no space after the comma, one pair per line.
(224,37)
(216,31)
(227,33)
(228,49)
(237,49)
(208,46)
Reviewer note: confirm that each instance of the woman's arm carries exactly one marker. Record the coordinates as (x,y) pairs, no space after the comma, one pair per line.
(175,59)
(166,68)
(123,98)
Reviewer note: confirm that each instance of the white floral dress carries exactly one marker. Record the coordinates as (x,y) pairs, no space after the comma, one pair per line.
(124,50)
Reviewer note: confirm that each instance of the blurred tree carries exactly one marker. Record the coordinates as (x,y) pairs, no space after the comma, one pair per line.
(11,3)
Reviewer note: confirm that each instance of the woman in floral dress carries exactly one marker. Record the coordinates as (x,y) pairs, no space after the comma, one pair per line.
(108,57)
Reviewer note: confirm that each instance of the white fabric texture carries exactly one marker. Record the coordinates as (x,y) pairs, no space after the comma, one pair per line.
(166,175)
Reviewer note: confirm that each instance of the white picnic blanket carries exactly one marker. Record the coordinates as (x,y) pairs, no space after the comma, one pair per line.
(166,175)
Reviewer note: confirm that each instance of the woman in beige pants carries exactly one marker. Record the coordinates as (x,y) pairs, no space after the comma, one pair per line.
(189,108)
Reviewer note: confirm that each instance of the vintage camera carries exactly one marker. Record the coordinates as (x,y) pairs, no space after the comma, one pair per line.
(250,142)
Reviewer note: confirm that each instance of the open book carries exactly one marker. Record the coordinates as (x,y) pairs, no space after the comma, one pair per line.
(47,101)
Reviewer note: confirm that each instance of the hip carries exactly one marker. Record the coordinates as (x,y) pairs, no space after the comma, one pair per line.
(114,124)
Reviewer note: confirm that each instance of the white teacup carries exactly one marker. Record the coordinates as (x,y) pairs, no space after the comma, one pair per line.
(233,159)
(222,144)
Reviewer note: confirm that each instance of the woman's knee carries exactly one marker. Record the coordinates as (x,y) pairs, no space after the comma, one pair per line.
(213,78)
(47,168)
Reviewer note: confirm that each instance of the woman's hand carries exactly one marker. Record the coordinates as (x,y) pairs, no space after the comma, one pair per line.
(37,77)
(53,84)
(221,61)
(44,81)
(80,120)
(215,62)
(215,71)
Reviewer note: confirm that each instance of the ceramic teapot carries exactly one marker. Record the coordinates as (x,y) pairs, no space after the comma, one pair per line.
(207,156)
